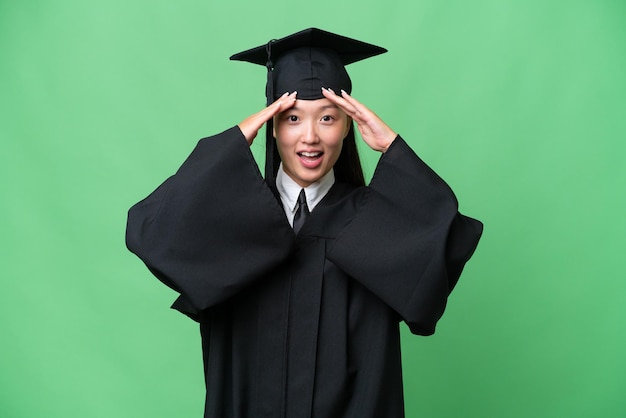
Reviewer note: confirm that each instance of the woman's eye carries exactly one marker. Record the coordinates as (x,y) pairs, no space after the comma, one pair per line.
(327,118)
(293,118)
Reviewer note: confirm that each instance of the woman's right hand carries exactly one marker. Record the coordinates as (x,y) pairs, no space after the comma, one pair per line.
(250,126)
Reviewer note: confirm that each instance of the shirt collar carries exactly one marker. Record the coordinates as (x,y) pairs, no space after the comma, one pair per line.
(289,189)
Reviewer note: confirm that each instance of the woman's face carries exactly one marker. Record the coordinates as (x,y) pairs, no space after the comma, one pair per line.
(309,137)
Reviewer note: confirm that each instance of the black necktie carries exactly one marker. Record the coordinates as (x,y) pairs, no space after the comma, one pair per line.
(302,213)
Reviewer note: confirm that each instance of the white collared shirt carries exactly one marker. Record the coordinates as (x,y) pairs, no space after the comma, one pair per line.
(289,191)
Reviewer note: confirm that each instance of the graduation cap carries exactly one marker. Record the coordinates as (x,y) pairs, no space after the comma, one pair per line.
(308,60)
(305,62)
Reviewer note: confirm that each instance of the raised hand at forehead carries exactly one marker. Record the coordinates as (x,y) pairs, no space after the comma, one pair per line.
(373,130)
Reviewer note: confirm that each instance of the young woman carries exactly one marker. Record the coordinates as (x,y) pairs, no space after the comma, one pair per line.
(299,279)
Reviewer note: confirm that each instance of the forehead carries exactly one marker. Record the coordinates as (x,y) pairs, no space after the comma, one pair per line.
(313,105)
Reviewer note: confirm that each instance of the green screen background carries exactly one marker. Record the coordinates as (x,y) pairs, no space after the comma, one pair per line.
(518,105)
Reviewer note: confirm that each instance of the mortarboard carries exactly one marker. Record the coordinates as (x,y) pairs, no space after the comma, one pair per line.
(305,62)
(308,60)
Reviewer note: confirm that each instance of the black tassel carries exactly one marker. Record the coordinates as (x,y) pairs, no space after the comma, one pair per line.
(270,164)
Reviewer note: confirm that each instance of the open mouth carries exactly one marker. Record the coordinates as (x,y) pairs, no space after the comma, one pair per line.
(310,155)
(310,159)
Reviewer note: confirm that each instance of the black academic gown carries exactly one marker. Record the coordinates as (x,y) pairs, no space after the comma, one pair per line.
(303,325)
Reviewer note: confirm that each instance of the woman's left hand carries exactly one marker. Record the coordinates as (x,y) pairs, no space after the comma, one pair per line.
(373,130)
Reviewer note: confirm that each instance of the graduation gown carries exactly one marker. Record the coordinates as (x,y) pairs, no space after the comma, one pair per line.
(303,325)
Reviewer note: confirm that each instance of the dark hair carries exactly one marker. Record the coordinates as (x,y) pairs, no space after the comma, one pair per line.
(347,168)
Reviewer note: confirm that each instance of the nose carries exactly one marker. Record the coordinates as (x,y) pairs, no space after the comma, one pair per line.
(309,135)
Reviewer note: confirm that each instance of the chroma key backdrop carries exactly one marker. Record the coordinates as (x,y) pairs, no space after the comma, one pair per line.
(518,105)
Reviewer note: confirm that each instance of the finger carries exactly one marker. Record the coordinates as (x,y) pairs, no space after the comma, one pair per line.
(339,101)
(358,106)
(253,123)
(288,101)
(357,111)
(284,102)
(275,107)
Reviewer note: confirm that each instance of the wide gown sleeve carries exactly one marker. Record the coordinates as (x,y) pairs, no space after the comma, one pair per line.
(408,243)
(213,228)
